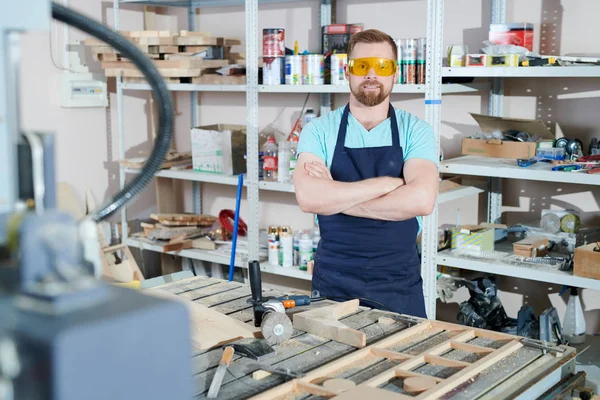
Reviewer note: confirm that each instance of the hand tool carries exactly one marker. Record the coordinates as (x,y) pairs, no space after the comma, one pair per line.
(215,385)
(294,301)
(254,349)
(269,312)
(526,162)
(566,168)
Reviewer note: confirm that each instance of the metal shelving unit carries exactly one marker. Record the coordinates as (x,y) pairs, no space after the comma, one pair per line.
(432,92)
(495,169)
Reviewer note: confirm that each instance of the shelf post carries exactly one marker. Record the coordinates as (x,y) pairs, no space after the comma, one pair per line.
(496,108)
(194,120)
(326,11)
(433,104)
(251,8)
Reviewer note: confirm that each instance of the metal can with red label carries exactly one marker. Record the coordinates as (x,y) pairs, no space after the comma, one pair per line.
(273,70)
(273,42)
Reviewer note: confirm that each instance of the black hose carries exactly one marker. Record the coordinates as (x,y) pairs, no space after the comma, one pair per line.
(163,100)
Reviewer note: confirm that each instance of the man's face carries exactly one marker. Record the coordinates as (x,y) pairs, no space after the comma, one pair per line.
(372,89)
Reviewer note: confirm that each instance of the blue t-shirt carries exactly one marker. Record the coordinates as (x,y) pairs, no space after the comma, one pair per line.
(319,136)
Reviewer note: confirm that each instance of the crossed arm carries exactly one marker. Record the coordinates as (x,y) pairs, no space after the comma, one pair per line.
(383,198)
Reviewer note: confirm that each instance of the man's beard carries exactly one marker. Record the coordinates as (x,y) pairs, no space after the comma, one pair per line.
(370,99)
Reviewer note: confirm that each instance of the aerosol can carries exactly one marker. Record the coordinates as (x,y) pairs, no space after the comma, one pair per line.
(574,321)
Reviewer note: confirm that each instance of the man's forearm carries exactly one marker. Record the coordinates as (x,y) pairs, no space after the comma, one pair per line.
(403,203)
(327,197)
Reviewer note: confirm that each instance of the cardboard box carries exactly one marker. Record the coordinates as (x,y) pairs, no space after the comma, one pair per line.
(219,149)
(586,262)
(502,148)
(473,237)
(532,246)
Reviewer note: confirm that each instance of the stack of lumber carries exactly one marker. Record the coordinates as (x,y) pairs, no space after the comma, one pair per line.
(178,57)
(180,231)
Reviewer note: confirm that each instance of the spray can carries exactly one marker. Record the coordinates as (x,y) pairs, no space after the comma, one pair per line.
(286,247)
(421,60)
(574,320)
(293,157)
(306,250)
(296,255)
(409,61)
(273,233)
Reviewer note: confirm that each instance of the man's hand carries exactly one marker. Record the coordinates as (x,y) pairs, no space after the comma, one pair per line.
(317,169)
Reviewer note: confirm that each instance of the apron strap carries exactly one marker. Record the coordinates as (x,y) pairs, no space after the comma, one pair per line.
(341,138)
(394,123)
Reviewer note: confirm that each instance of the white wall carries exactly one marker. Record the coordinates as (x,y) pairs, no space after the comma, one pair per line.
(88,142)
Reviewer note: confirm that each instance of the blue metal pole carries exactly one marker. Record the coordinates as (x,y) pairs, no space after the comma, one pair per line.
(238,200)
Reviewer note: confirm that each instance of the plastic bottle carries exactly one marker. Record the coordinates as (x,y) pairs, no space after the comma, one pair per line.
(297,236)
(283,162)
(574,321)
(316,239)
(270,160)
(309,115)
(306,250)
(293,157)
(286,246)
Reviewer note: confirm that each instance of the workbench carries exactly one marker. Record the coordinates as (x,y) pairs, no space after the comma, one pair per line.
(525,373)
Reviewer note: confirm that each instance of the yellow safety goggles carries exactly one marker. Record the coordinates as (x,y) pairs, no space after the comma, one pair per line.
(362,66)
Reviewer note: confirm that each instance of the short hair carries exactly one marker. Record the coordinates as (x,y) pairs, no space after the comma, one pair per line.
(372,36)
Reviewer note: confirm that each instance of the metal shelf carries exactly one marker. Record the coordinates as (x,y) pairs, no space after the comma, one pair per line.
(540,273)
(214,256)
(505,168)
(197,3)
(187,87)
(232,180)
(459,193)
(191,87)
(523,72)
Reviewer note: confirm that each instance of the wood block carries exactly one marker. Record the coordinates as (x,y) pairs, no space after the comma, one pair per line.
(94,42)
(533,246)
(415,385)
(155,41)
(260,374)
(193,33)
(220,80)
(164,49)
(587,262)
(113,72)
(195,41)
(228,42)
(204,244)
(193,49)
(339,385)
(165,72)
(210,328)
(177,245)
(324,322)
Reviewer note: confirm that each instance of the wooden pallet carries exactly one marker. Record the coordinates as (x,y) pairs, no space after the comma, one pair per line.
(520,367)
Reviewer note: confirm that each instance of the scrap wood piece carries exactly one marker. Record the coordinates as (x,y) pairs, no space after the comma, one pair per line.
(324,322)
(170,161)
(210,328)
(183,217)
(216,79)
(366,392)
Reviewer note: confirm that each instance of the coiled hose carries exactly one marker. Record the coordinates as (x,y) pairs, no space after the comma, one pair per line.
(163,101)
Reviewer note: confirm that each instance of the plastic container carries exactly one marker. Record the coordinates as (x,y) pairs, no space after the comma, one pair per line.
(273,253)
(553,153)
(270,160)
(309,115)
(286,247)
(293,157)
(297,236)
(283,162)
(574,321)
(306,251)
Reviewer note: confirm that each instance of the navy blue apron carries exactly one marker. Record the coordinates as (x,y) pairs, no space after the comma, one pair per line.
(372,260)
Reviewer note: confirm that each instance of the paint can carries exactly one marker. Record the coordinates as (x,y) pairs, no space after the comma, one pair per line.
(409,61)
(273,42)
(338,61)
(421,59)
(286,247)
(273,233)
(293,70)
(273,70)
(313,72)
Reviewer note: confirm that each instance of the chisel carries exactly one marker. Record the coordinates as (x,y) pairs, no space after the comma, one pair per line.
(215,385)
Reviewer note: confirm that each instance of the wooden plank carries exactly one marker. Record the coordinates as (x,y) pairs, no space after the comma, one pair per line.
(210,290)
(324,322)
(193,33)
(165,72)
(156,41)
(365,392)
(405,374)
(390,355)
(164,49)
(471,371)
(228,42)
(471,348)
(210,328)
(446,362)
(194,41)
(187,284)
(219,80)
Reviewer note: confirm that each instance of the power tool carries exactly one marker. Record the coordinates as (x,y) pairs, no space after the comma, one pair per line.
(269,312)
